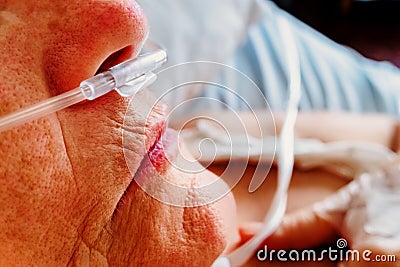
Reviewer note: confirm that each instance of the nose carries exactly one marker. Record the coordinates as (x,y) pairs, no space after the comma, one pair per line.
(89,36)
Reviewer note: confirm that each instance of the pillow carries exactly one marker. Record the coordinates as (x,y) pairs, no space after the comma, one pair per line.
(199,30)
(196,30)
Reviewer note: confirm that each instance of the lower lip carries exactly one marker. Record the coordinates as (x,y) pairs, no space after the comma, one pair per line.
(162,152)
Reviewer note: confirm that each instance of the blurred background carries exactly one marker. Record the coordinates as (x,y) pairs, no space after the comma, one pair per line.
(372,27)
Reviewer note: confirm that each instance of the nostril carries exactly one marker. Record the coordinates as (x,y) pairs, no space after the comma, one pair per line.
(116,58)
(94,36)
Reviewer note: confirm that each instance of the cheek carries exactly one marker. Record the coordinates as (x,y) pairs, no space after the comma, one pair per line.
(45,199)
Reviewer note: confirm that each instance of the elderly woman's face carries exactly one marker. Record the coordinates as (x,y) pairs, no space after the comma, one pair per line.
(66,194)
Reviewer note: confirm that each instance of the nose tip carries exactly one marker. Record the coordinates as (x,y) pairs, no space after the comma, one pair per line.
(117,23)
(86,35)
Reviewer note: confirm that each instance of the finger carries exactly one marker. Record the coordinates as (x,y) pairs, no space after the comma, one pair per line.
(299,230)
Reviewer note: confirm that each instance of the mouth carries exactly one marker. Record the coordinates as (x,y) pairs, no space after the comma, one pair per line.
(163,150)
(160,143)
(152,153)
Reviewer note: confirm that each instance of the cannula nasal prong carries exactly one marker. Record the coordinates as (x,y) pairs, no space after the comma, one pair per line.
(126,78)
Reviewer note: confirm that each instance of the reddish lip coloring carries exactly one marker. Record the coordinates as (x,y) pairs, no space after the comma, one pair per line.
(159,155)
(163,150)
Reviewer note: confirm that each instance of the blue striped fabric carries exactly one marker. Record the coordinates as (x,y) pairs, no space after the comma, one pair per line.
(334,77)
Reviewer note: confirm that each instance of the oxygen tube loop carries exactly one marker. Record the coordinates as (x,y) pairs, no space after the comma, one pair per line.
(285,152)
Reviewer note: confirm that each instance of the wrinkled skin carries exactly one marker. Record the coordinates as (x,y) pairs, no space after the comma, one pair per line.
(66,194)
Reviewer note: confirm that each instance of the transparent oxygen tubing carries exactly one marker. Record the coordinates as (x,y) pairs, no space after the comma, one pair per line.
(126,78)
(285,159)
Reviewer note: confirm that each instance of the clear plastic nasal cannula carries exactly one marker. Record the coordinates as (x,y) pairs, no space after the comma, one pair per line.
(126,78)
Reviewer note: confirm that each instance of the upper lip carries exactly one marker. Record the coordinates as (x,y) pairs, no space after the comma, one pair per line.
(151,131)
(153,142)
